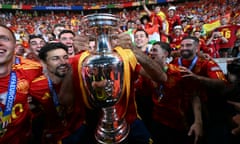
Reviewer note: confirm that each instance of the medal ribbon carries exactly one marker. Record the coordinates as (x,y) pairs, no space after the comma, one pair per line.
(54,95)
(160,92)
(12,88)
(194,61)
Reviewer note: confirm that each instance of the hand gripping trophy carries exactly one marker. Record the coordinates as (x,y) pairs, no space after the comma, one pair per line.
(102,71)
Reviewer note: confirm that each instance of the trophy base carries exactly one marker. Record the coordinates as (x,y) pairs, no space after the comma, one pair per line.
(114,131)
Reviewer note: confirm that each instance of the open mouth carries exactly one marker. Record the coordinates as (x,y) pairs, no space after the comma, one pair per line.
(2,51)
(63,68)
(152,57)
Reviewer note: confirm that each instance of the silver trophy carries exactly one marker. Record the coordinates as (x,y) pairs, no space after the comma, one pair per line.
(102,73)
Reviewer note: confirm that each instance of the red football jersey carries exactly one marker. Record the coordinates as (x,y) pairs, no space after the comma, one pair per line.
(203,67)
(125,107)
(172,99)
(176,41)
(19,128)
(63,125)
(173,21)
(229,32)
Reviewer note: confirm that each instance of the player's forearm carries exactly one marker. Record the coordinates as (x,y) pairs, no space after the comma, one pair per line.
(211,83)
(197,109)
(152,68)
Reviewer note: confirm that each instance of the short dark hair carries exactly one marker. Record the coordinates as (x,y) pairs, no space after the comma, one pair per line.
(58,25)
(50,46)
(165,46)
(35,36)
(195,39)
(65,31)
(145,17)
(137,30)
(3,26)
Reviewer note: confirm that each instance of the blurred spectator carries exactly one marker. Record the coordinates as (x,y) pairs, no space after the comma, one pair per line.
(19,49)
(36,42)
(214,44)
(202,44)
(57,29)
(229,32)
(173,18)
(66,37)
(176,37)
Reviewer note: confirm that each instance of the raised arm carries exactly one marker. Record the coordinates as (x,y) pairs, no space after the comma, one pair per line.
(145,8)
(151,69)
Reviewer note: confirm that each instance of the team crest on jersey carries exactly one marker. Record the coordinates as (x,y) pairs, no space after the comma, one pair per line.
(22,86)
(46,96)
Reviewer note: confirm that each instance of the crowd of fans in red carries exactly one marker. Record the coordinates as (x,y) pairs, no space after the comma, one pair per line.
(188,17)
(167,22)
(64,2)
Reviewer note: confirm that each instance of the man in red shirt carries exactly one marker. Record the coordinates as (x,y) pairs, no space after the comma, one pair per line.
(176,37)
(173,19)
(229,32)
(173,101)
(211,78)
(138,132)
(214,43)
(154,17)
(65,122)
(143,93)
(16,75)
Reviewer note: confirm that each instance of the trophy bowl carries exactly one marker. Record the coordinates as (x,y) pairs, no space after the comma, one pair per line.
(102,73)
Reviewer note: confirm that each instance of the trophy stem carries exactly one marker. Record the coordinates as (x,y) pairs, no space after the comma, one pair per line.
(103,44)
(111,129)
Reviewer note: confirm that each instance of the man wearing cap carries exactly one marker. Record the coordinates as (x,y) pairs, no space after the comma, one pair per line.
(172,18)
(176,37)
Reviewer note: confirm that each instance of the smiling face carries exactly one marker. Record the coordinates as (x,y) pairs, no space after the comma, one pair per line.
(36,44)
(141,40)
(7,46)
(57,62)
(188,48)
(158,54)
(67,39)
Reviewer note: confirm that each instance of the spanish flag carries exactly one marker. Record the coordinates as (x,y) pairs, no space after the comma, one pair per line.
(208,27)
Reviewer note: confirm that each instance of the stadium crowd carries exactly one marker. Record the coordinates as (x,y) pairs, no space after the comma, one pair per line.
(64,2)
(177,92)
(188,17)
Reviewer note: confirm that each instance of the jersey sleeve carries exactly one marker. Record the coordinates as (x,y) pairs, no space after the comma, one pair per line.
(214,71)
(31,69)
(40,92)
